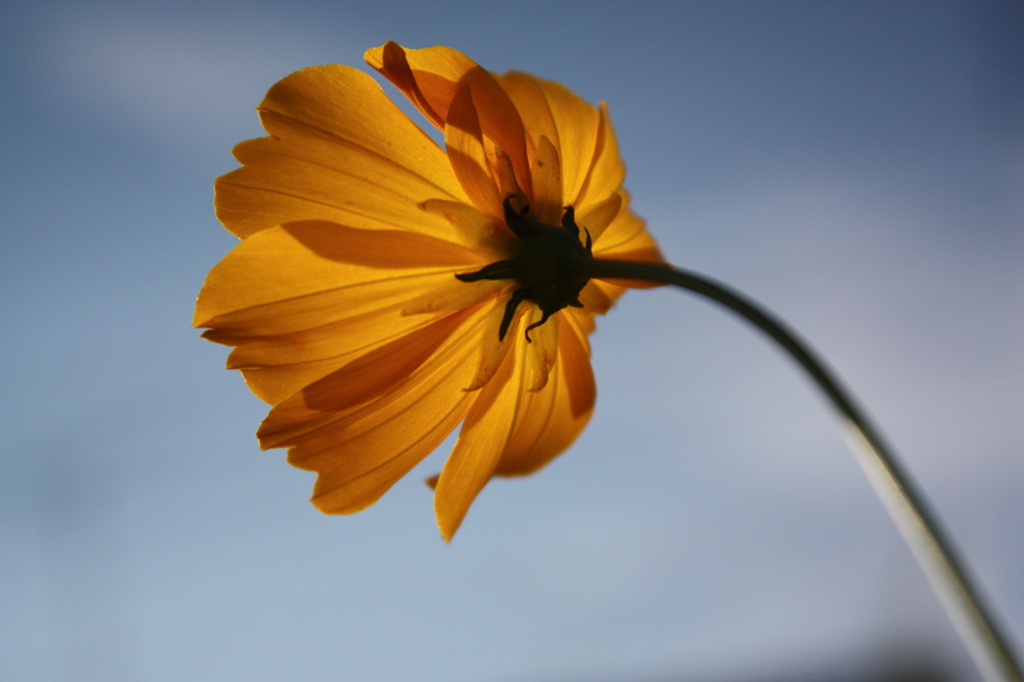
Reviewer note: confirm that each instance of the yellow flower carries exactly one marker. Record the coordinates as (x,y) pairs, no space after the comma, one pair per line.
(342,300)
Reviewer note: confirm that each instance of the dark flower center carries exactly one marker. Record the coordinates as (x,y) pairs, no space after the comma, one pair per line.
(544,267)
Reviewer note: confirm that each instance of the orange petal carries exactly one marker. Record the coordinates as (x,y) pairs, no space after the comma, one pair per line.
(477,230)
(435,81)
(542,352)
(529,99)
(431,78)
(598,216)
(621,232)
(273,383)
(453,294)
(612,290)
(464,139)
(299,422)
(626,238)
(390,60)
(277,366)
(297,311)
(594,299)
(577,122)
(492,349)
(547,183)
(569,121)
(607,171)
(365,474)
(484,436)
(546,425)
(380,370)
(245,318)
(365,164)
(364,452)
(574,353)
(338,337)
(290,266)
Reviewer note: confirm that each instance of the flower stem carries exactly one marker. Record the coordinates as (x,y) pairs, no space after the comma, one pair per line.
(919,526)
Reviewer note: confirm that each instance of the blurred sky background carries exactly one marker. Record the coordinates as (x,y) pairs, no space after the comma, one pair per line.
(857,167)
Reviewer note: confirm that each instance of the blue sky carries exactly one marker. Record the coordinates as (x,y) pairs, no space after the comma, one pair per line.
(857,167)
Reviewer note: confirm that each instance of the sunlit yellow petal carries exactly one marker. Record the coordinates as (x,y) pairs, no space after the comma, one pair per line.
(378,371)
(484,436)
(598,216)
(492,350)
(363,166)
(348,301)
(627,232)
(363,475)
(274,383)
(344,336)
(465,143)
(297,311)
(626,238)
(361,454)
(577,122)
(289,266)
(431,77)
(529,99)
(545,427)
(574,351)
(594,299)
(607,171)
(542,352)
(583,322)
(275,367)
(436,80)
(295,422)
(390,60)
(474,228)
(453,294)
(547,183)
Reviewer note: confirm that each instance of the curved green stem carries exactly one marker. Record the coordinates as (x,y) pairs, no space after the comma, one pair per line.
(919,526)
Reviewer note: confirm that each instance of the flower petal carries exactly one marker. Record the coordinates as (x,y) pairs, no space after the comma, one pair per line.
(376,372)
(545,104)
(626,232)
(453,294)
(626,238)
(431,78)
(364,473)
(360,453)
(574,353)
(363,165)
(542,352)
(347,336)
(598,216)
(547,183)
(464,139)
(577,123)
(485,433)
(292,263)
(594,299)
(300,423)
(546,424)
(303,299)
(493,350)
(607,171)
(529,99)
(433,84)
(475,229)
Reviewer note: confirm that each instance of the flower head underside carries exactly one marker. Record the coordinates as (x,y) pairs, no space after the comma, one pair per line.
(386,290)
